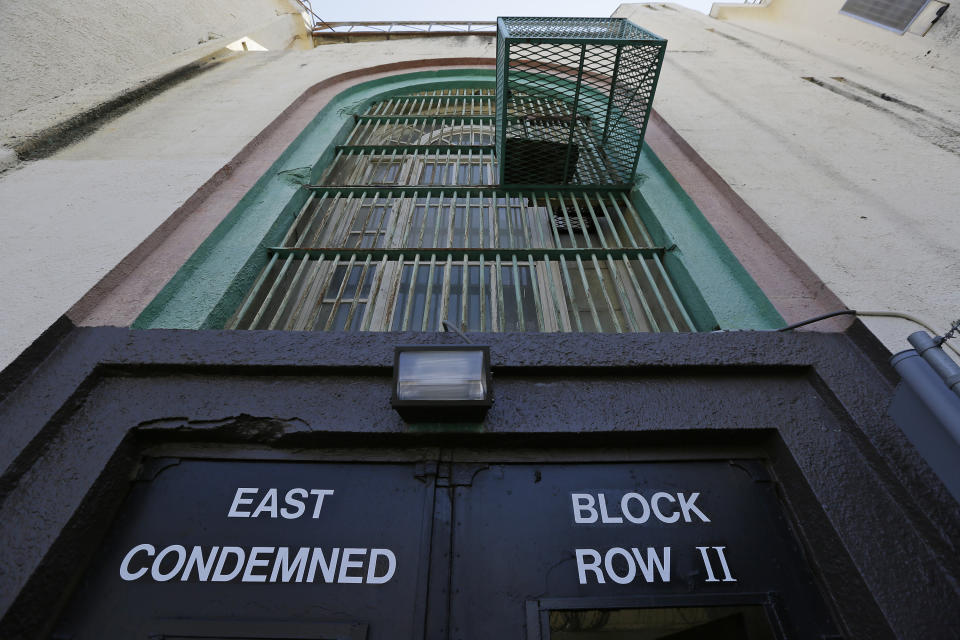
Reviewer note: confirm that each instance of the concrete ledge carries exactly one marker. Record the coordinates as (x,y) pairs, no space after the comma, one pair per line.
(726,10)
(50,139)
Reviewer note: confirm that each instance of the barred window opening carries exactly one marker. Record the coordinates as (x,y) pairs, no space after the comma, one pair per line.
(407,229)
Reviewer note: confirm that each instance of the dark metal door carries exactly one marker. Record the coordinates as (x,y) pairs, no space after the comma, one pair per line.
(213,549)
(533,538)
(443,548)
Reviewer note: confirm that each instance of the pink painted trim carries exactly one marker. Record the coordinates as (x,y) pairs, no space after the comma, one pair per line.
(121,295)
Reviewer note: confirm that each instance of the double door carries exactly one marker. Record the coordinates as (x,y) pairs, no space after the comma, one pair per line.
(457,545)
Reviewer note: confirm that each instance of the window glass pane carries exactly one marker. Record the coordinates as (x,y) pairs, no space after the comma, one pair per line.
(677,623)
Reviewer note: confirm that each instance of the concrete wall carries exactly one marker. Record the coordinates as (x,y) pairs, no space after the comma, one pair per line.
(70,218)
(59,58)
(860,176)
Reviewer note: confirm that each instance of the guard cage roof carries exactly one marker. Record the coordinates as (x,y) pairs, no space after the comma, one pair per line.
(573,99)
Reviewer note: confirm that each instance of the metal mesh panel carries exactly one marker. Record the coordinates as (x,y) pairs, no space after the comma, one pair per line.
(573,98)
(892,14)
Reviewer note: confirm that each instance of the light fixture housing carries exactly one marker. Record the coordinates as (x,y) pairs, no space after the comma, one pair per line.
(442,383)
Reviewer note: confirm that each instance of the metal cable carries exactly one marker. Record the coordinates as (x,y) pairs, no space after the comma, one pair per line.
(449,326)
(941,340)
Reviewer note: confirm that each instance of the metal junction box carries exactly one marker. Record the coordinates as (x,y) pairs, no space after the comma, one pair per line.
(573,99)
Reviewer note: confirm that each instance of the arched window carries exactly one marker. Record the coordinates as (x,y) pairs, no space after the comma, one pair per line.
(407,228)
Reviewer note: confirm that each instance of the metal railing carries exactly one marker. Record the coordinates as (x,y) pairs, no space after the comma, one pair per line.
(407,229)
(330,32)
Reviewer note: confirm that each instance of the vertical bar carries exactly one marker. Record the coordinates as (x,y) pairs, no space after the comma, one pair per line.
(612,226)
(356,294)
(536,221)
(516,290)
(573,298)
(573,239)
(374,292)
(636,216)
(551,215)
(583,223)
(553,291)
(511,238)
(465,293)
(318,304)
(657,293)
(426,299)
(586,292)
(647,311)
(496,283)
(573,116)
(302,217)
(622,294)
(451,215)
(445,292)
(482,298)
(596,221)
(673,293)
(338,300)
(410,290)
(606,295)
(502,138)
(436,223)
(287,296)
(613,84)
(253,292)
(273,290)
(541,318)
(523,221)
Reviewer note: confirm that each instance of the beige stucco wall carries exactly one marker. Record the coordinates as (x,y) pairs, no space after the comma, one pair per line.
(70,218)
(59,58)
(864,189)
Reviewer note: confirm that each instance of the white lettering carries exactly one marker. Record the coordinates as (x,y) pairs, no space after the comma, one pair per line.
(711,577)
(646,568)
(292,501)
(299,564)
(603,511)
(155,572)
(608,564)
(328,570)
(268,504)
(239,554)
(625,508)
(253,562)
(196,560)
(593,566)
(125,565)
(688,507)
(321,494)
(346,564)
(372,577)
(583,502)
(655,503)
(238,500)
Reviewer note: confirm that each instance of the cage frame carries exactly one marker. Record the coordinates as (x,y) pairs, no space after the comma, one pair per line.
(505,40)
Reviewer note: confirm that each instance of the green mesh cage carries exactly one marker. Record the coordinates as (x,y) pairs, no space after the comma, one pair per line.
(573,99)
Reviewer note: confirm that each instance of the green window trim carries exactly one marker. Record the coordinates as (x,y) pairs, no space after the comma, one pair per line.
(211,286)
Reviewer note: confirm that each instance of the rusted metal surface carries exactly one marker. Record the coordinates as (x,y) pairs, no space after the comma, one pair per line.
(359,31)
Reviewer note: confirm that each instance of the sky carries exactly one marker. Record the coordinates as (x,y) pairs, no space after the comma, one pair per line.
(476,10)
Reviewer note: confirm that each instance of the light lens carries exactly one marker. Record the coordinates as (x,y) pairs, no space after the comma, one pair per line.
(441,375)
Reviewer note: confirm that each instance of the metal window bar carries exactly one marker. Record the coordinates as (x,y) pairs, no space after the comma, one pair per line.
(403,290)
(425,236)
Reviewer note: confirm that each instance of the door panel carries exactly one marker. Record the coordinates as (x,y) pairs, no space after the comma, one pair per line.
(210,542)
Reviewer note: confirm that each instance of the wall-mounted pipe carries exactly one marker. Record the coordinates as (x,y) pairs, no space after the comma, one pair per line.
(939,361)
